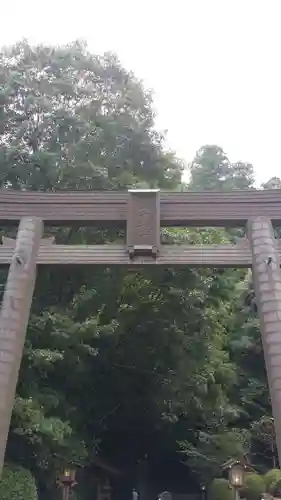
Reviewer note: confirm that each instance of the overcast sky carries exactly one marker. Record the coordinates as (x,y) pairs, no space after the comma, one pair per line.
(214,65)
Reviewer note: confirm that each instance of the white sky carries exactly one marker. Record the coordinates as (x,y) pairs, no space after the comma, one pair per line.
(214,65)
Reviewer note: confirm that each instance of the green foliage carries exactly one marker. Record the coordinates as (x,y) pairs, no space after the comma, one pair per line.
(17,483)
(211,169)
(273,183)
(212,449)
(272,480)
(220,490)
(65,107)
(254,486)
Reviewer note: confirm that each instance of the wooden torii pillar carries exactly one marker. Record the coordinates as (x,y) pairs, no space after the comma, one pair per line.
(14,318)
(267,283)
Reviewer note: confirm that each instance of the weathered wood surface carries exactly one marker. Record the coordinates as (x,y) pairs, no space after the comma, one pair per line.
(267,282)
(14,317)
(169,255)
(103,208)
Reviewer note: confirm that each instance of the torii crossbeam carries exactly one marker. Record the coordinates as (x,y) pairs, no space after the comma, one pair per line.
(142,213)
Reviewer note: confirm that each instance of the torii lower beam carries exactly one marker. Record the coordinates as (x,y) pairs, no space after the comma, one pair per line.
(14,318)
(234,256)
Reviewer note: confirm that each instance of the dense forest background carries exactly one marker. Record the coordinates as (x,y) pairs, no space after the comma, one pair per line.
(125,365)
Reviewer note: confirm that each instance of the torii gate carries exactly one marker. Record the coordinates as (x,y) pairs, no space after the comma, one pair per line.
(142,212)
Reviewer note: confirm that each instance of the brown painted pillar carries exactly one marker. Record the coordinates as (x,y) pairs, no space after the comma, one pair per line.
(14,318)
(267,282)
